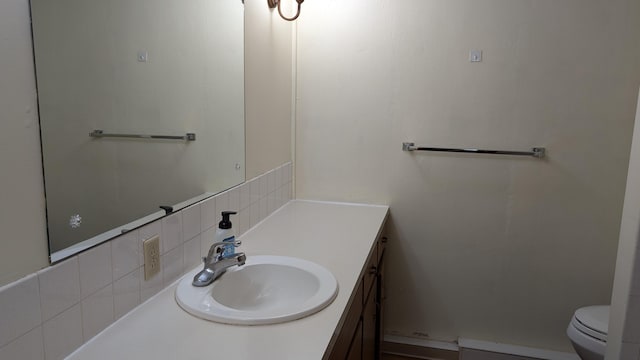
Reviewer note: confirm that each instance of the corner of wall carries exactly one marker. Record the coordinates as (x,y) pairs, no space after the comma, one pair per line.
(627,261)
(22,218)
(268,88)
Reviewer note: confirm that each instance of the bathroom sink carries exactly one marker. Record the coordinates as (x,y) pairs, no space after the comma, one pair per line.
(265,290)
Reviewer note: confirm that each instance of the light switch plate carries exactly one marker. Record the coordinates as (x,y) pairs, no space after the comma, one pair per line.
(143,56)
(151,248)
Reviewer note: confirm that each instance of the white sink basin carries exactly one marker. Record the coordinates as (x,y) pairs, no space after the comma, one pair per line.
(265,290)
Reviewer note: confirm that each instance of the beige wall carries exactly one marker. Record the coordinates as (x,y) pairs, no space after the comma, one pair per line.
(23,247)
(267,88)
(486,247)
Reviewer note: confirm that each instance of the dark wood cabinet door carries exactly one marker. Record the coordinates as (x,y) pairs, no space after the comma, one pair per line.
(369,327)
(355,350)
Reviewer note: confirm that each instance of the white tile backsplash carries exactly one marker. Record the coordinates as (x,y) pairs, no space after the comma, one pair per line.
(264,189)
(51,313)
(255,190)
(237,223)
(280,198)
(206,240)
(263,208)
(234,199)
(63,333)
(279,176)
(288,192)
(150,287)
(150,230)
(124,254)
(126,293)
(96,269)
(222,204)
(245,221)
(287,172)
(172,265)
(272,202)
(191,222)
(19,309)
(59,287)
(29,347)
(192,250)
(245,195)
(97,312)
(254,213)
(171,232)
(207,213)
(271,181)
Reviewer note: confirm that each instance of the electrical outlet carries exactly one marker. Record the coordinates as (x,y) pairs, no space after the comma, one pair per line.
(151,248)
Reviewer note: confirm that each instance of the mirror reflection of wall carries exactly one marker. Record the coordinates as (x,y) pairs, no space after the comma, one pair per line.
(144,67)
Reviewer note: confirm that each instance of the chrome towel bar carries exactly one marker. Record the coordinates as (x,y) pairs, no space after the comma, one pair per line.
(537,152)
(102,134)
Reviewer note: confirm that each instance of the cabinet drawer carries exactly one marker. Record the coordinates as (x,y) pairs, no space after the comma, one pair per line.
(355,350)
(369,330)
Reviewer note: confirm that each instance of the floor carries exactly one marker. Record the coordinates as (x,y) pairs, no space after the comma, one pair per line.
(395,357)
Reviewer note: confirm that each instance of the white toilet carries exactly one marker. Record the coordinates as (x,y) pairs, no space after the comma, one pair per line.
(588,331)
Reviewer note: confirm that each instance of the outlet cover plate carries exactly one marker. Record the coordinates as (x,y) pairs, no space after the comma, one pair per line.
(151,248)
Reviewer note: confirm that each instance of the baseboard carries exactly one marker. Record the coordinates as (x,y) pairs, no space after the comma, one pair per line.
(466,349)
(478,349)
(419,348)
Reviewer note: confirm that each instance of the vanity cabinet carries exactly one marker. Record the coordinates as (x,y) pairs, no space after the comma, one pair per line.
(360,335)
(355,348)
(369,330)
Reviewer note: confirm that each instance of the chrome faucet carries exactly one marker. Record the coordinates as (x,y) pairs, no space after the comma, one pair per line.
(215,264)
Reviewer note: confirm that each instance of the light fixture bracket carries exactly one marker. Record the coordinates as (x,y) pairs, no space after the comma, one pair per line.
(278,3)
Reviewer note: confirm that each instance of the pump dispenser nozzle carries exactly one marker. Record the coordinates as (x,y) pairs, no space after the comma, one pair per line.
(225,223)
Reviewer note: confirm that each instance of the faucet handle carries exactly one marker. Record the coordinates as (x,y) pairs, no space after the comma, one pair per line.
(217,248)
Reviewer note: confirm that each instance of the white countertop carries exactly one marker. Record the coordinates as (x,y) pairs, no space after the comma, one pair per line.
(336,235)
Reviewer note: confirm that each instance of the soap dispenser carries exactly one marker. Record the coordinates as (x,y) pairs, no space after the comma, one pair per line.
(226,233)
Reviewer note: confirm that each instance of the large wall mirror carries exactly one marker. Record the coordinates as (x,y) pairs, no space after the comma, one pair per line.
(135,67)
